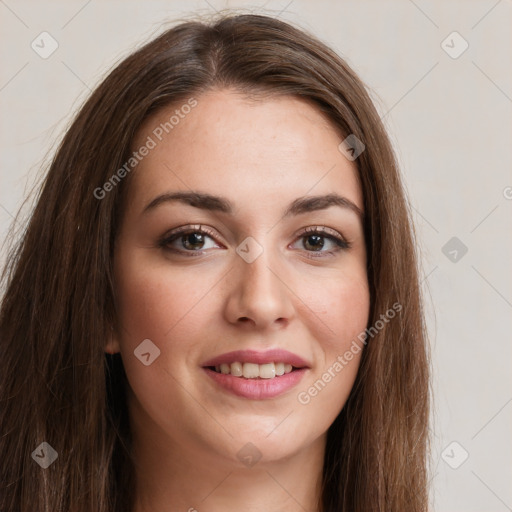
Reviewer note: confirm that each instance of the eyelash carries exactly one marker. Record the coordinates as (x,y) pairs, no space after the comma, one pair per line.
(315,230)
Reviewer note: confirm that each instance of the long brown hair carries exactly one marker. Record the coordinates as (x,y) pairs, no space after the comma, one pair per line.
(58,386)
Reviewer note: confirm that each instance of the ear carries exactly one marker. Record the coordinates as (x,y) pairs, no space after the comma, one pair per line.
(112,345)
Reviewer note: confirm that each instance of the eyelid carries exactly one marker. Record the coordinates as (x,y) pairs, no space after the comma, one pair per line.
(191,228)
(322,229)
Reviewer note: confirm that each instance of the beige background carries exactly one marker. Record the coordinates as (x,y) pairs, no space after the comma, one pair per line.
(450,121)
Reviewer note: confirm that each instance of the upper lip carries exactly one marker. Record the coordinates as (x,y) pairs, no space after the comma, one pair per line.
(258,357)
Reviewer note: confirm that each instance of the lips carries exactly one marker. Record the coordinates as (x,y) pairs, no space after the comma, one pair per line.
(249,385)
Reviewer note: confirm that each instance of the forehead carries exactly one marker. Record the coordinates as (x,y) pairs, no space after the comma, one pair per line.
(226,144)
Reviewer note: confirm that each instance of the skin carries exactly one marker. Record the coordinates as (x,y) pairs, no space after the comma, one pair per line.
(187,431)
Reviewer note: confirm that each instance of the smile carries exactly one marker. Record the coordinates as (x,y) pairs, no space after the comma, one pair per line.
(256,375)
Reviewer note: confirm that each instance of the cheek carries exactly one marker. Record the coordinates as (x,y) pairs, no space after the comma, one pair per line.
(347,314)
(338,307)
(341,316)
(163,306)
(153,301)
(170,307)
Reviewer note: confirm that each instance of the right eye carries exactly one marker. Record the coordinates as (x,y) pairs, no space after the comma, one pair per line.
(192,240)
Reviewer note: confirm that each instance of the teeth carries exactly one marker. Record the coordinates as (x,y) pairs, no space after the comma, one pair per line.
(267,371)
(253,370)
(236,369)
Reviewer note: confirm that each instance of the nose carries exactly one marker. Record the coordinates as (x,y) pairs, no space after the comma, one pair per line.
(259,296)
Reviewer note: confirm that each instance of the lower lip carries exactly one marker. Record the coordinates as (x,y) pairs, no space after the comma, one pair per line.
(257,389)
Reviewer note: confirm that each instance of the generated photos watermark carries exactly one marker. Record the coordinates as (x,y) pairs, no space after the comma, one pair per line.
(304,397)
(157,135)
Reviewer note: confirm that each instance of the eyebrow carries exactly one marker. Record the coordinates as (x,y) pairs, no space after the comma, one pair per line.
(220,204)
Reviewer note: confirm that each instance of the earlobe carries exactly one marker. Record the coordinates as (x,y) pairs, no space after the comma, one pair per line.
(112,346)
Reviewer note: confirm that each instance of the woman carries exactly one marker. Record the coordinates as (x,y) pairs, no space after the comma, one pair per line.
(216,302)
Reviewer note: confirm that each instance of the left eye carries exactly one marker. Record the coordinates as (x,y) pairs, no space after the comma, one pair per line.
(314,241)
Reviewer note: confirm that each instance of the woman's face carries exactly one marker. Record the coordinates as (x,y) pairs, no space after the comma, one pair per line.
(246,277)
